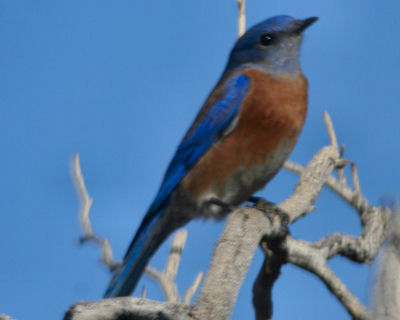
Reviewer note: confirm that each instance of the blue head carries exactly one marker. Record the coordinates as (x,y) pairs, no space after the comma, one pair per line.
(272,45)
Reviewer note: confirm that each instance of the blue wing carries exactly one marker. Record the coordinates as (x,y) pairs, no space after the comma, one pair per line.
(207,130)
(218,113)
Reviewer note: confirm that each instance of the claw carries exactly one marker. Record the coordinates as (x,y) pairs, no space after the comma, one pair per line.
(271,211)
(221,204)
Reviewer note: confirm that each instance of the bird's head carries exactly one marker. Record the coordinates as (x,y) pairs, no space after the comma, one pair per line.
(272,45)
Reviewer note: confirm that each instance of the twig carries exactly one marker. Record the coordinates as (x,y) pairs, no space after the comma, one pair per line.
(175,255)
(358,197)
(312,179)
(192,290)
(305,256)
(86,203)
(359,202)
(144,293)
(356,180)
(331,131)
(166,278)
(242,17)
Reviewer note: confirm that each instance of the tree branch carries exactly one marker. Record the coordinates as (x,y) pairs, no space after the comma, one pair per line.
(86,204)
(313,178)
(387,282)
(127,308)
(190,292)
(313,256)
(309,258)
(268,274)
(375,231)
(166,278)
(5,317)
(232,256)
(242,17)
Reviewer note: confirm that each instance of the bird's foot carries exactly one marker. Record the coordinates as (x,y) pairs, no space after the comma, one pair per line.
(222,204)
(271,211)
(254,199)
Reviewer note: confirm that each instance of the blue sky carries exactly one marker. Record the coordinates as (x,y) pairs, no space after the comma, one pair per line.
(120,82)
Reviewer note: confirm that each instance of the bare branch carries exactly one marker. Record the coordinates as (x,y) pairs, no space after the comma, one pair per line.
(268,274)
(305,256)
(387,283)
(356,180)
(375,222)
(154,273)
(178,244)
(108,258)
(359,202)
(190,292)
(5,317)
(357,194)
(331,131)
(166,278)
(86,203)
(312,179)
(242,17)
(144,293)
(127,308)
(232,256)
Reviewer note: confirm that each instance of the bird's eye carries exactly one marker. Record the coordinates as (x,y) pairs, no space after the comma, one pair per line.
(267,39)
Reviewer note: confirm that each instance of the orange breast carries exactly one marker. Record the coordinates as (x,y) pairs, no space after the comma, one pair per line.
(268,126)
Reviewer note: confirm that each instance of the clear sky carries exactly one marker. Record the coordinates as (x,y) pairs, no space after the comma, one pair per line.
(120,82)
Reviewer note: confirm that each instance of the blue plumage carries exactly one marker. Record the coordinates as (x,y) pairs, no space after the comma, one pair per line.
(270,48)
(203,136)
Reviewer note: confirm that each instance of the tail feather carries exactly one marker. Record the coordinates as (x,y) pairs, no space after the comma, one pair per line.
(146,241)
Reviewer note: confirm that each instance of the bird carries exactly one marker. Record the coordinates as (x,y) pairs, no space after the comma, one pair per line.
(239,140)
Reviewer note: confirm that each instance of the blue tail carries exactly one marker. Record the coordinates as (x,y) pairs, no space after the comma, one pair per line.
(146,241)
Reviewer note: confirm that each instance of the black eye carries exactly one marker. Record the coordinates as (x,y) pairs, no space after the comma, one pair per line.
(267,39)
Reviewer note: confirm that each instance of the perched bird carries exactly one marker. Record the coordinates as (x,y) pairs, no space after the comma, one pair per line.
(239,140)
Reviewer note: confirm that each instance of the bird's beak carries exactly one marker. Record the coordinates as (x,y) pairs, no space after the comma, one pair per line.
(300,25)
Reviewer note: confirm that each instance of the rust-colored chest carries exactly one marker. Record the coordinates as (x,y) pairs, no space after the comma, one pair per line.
(268,125)
(273,111)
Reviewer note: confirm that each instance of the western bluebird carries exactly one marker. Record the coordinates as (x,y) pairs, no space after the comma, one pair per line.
(239,140)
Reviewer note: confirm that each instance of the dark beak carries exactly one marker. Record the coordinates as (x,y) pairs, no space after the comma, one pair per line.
(300,25)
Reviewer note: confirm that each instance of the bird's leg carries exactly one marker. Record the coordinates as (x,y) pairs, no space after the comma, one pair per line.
(221,204)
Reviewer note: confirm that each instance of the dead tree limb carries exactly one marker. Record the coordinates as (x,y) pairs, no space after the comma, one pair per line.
(248,226)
